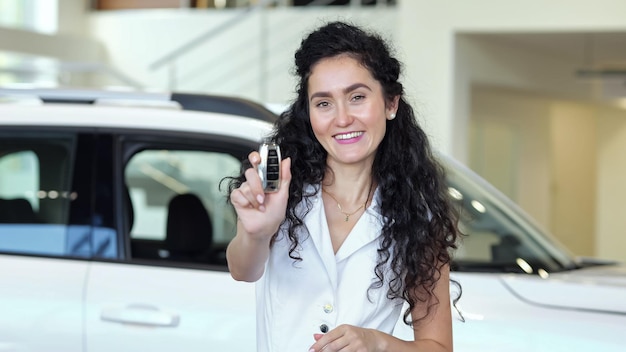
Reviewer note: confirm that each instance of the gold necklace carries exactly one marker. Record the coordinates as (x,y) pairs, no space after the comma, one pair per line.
(348,215)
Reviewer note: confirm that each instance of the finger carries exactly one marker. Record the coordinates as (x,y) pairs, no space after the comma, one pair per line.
(285,169)
(242,197)
(253,180)
(238,199)
(325,342)
(254,158)
(317,346)
(285,174)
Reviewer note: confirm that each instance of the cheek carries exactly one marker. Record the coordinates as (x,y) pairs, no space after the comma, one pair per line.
(382,128)
(318,125)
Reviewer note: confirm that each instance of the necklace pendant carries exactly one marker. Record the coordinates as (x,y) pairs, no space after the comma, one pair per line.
(347,218)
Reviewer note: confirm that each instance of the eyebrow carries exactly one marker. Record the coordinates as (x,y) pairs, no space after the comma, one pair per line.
(346,90)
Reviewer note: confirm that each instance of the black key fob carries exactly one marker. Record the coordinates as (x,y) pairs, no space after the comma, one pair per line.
(269,168)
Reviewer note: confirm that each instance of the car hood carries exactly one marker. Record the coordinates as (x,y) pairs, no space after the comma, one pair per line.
(598,289)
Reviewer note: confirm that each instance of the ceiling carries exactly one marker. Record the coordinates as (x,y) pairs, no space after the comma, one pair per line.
(597,50)
(596,59)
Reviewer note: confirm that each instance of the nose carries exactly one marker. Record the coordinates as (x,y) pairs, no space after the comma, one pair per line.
(343,117)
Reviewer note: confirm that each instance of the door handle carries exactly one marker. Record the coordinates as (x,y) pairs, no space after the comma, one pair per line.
(140,314)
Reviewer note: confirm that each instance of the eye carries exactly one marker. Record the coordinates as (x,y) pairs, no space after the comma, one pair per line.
(358,97)
(322,104)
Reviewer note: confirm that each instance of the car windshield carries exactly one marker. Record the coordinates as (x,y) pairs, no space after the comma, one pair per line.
(499,236)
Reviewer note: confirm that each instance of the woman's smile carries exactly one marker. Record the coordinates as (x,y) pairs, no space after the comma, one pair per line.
(350,137)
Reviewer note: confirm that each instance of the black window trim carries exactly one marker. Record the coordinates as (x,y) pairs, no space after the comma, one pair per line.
(128,142)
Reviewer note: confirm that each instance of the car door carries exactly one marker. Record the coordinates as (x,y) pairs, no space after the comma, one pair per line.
(171,290)
(45,238)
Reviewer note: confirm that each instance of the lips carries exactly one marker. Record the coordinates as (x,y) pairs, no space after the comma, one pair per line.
(350,135)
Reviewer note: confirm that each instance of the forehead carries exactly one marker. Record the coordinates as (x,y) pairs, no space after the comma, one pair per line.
(337,70)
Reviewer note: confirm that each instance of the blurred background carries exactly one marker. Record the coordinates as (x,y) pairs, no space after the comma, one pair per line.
(531,95)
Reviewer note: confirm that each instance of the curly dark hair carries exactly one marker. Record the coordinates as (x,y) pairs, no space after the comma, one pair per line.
(421,226)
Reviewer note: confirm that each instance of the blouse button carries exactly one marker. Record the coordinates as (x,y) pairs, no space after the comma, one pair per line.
(328,308)
(324,328)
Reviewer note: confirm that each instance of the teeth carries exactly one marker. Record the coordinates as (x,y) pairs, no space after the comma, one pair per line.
(348,135)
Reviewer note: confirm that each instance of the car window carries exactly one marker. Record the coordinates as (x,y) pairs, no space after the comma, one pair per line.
(36,194)
(498,236)
(179,210)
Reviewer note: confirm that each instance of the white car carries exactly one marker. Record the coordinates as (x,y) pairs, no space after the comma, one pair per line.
(113,227)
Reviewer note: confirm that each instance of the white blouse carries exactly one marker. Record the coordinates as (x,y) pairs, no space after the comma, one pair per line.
(296,299)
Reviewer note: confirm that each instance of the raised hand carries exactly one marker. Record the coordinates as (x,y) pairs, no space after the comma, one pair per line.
(261,213)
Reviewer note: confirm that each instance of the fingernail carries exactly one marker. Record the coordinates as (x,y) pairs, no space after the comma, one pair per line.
(311,350)
(260,199)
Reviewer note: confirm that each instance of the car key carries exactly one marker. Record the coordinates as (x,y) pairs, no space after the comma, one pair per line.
(269,168)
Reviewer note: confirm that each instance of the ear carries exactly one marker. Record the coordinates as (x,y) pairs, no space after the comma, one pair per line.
(392,106)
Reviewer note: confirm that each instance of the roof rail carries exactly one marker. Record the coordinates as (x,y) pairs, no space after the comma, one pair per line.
(186,101)
(84,96)
(224,104)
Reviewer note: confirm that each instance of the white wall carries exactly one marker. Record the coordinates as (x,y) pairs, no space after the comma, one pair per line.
(73,16)
(60,46)
(446,56)
(35,47)
(252,58)
(427,32)
(573,180)
(610,212)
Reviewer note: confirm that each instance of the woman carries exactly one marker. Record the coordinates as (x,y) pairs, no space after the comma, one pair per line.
(361,223)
